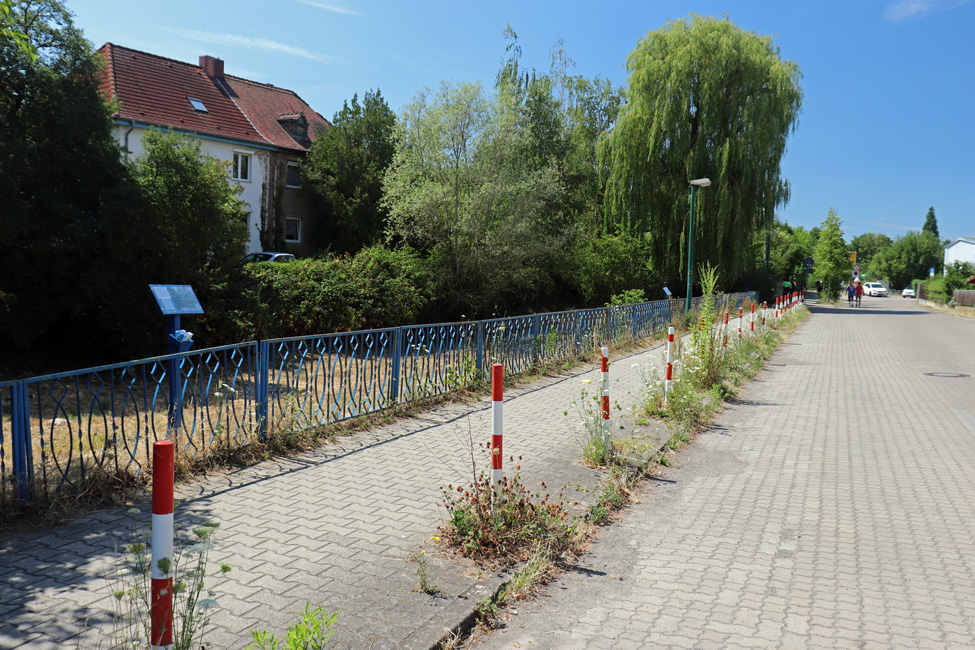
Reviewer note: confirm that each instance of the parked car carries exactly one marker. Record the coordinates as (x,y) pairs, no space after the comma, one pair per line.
(908,293)
(874,289)
(267,257)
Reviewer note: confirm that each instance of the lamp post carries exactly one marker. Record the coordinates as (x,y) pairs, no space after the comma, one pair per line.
(701,182)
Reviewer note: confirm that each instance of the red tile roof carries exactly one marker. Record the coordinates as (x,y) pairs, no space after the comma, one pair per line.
(155,90)
(268,105)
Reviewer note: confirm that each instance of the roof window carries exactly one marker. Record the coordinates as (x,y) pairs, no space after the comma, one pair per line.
(198,105)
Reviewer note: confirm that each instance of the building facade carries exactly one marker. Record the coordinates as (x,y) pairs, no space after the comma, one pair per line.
(260,131)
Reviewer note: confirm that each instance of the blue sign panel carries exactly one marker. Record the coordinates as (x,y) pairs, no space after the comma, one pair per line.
(176,299)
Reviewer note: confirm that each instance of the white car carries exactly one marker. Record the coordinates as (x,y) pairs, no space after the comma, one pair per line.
(874,289)
(908,293)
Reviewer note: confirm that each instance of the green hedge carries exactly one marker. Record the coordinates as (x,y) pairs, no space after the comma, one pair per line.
(377,288)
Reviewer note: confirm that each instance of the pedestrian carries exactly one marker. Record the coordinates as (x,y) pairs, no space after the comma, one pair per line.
(859,292)
(851,292)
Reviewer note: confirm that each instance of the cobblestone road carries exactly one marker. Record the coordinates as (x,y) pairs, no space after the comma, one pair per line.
(833,506)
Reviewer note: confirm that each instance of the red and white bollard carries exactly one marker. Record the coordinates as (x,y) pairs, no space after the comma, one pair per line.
(605,372)
(497,402)
(764,311)
(161,599)
(670,364)
(739,324)
(751,321)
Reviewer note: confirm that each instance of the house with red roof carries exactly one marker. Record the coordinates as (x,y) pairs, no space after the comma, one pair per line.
(260,130)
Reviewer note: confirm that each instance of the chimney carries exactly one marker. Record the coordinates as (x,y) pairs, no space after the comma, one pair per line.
(212,66)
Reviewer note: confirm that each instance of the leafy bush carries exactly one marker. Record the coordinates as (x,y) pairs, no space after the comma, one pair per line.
(378,287)
(610,265)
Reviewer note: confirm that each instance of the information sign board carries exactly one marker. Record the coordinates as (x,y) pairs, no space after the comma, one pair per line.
(176,299)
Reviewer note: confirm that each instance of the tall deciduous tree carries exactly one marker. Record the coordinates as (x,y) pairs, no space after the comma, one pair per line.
(832,260)
(909,258)
(58,163)
(345,169)
(461,189)
(705,99)
(868,246)
(930,222)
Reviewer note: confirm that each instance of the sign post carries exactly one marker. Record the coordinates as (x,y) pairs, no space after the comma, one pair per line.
(175,300)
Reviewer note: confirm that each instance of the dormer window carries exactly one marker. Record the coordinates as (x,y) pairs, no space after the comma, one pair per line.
(197,105)
(295,124)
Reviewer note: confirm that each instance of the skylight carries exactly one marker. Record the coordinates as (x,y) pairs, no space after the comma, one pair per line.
(197,104)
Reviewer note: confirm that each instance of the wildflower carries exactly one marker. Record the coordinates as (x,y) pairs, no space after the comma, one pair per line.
(207,603)
(587,381)
(435,538)
(134,511)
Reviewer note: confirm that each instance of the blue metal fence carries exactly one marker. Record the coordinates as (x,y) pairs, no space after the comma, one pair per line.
(59,430)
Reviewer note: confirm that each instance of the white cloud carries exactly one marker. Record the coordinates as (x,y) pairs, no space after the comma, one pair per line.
(328,7)
(234,40)
(905,9)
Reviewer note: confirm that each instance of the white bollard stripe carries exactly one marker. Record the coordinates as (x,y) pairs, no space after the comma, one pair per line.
(162,544)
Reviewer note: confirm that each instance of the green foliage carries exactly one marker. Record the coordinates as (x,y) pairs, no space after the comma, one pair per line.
(833,264)
(379,287)
(930,222)
(909,257)
(628,297)
(60,169)
(706,99)
(868,246)
(344,171)
(312,631)
(609,265)
(462,188)
(8,31)
(957,276)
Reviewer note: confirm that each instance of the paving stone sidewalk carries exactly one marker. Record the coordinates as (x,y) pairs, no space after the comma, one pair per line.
(336,528)
(831,507)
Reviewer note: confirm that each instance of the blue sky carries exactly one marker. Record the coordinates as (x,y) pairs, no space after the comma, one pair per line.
(885,129)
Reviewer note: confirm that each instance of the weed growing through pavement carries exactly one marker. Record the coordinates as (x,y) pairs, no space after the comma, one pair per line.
(422,573)
(192,600)
(312,631)
(597,451)
(504,522)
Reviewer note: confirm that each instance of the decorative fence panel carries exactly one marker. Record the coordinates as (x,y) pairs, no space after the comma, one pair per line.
(60,430)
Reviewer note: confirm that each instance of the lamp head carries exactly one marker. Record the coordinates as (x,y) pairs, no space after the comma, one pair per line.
(701,182)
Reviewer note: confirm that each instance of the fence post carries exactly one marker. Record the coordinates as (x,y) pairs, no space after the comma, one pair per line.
(397,363)
(536,342)
(479,350)
(261,388)
(20,439)
(161,601)
(497,403)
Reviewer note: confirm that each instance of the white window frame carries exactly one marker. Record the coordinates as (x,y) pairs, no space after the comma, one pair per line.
(286,222)
(292,163)
(234,165)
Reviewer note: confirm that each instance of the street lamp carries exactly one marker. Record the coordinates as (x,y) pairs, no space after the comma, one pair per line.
(701,182)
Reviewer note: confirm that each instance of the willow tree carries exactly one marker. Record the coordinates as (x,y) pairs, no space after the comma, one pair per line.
(705,99)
